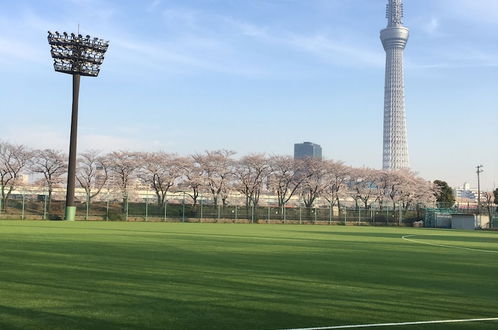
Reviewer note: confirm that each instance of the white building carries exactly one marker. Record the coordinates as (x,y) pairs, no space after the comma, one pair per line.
(466,193)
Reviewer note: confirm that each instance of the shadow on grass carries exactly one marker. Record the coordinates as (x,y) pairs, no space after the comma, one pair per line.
(29,318)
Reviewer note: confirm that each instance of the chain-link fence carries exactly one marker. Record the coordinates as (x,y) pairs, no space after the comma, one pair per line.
(177,211)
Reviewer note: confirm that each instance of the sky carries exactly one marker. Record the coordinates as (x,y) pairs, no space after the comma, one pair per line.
(257,76)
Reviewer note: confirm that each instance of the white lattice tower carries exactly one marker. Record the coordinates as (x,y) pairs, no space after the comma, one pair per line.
(394,39)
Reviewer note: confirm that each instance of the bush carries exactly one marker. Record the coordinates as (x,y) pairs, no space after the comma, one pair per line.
(116,216)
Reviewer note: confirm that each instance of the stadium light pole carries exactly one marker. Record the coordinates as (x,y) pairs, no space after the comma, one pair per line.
(78,56)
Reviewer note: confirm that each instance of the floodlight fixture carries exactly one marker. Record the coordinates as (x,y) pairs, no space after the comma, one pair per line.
(76,55)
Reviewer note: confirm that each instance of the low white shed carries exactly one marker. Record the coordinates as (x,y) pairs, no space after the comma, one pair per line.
(469,221)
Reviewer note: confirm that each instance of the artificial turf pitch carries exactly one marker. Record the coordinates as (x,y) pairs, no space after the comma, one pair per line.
(108,275)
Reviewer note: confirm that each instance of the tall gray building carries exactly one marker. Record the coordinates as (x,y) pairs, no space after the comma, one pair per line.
(394,39)
(307,150)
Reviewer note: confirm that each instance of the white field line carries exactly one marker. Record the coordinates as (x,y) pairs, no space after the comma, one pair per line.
(406,237)
(397,324)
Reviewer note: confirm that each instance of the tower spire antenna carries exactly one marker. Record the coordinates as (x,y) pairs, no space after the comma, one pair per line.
(394,13)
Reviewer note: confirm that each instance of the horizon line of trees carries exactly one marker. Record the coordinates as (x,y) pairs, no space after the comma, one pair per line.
(217,173)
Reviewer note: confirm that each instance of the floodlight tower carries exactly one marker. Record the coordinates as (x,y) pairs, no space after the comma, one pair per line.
(394,39)
(78,56)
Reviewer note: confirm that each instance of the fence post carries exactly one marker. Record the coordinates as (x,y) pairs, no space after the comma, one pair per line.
(330,213)
(147,206)
(22,214)
(44,207)
(359,216)
(87,207)
(236,213)
(400,216)
(252,213)
(1,200)
(183,208)
(315,216)
(127,209)
(269,210)
(300,215)
(107,207)
(165,210)
(219,213)
(345,216)
(200,202)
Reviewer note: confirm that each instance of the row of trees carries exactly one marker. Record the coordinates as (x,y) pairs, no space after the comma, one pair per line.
(219,175)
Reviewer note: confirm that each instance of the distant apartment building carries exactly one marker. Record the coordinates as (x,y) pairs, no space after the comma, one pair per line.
(466,193)
(307,150)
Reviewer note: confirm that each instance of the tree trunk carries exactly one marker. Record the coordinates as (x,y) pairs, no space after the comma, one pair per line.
(194,196)
(49,203)
(125,201)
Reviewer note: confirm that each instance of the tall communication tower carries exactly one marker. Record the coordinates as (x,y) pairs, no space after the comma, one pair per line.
(394,39)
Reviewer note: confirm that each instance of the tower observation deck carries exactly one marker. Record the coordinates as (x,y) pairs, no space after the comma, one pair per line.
(394,39)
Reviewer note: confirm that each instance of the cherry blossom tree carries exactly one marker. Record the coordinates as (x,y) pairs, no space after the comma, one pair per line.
(52,165)
(92,173)
(284,180)
(14,159)
(411,190)
(394,186)
(217,170)
(160,171)
(194,181)
(488,203)
(313,185)
(362,186)
(250,173)
(123,167)
(336,179)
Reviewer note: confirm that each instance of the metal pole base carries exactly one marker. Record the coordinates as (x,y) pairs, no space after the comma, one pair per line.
(70,213)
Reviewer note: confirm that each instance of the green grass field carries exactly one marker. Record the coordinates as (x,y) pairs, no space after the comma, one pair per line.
(60,275)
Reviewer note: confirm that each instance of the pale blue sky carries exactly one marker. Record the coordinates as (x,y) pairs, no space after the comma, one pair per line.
(259,76)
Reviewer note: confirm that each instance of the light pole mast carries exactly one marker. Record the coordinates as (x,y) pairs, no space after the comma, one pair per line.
(78,56)
(479,171)
(394,38)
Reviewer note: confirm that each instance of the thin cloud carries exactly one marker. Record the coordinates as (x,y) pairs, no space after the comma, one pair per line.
(14,50)
(457,58)
(432,27)
(337,52)
(481,11)
(108,143)
(153,5)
